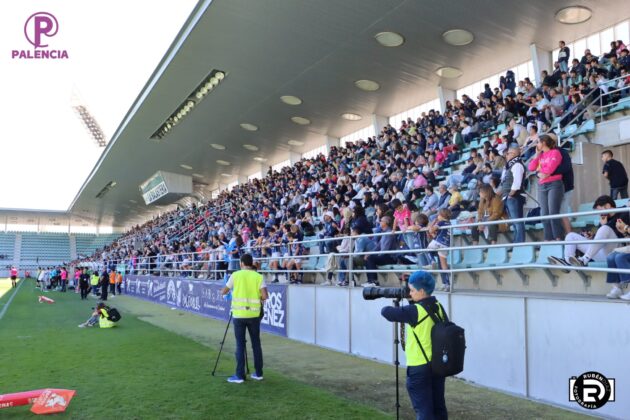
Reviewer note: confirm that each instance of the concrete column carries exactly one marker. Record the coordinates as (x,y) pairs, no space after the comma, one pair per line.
(444,95)
(242,179)
(294,157)
(541,59)
(331,142)
(379,121)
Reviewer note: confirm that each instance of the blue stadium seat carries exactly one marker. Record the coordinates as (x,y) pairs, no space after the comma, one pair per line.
(587,127)
(472,257)
(523,255)
(547,251)
(621,105)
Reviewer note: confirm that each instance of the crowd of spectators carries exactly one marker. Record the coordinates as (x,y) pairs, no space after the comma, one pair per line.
(414,179)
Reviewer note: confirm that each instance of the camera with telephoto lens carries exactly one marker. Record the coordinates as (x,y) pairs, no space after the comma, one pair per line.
(371,293)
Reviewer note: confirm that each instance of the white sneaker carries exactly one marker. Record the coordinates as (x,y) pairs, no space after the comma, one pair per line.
(625,296)
(326,283)
(616,293)
(369,284)
(81,325)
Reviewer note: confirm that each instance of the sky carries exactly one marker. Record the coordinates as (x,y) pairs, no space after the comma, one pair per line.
(113,47)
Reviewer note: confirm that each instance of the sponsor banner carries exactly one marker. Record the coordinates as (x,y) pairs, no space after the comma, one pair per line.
(204,298)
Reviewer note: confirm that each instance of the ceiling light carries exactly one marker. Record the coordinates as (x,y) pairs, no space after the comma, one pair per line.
(291,100)
(260,159)
(186,167)
(301,120)
(250,147)
(226,175)
(196,96)
(223,162)
(217,146)
(573,14)
(351,117)
(249,127)
(295,143)
(197,175)
(367,85)
(389,39)
(458,37)
(449,72)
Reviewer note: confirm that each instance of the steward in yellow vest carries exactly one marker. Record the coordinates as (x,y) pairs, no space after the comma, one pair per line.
(249,293)
(426,391)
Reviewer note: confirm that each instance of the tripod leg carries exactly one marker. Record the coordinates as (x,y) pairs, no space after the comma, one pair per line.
(222,343)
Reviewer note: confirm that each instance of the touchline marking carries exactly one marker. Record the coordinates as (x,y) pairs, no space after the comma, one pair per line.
(6,306)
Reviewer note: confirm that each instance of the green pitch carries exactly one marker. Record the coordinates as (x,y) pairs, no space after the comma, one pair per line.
(156,365)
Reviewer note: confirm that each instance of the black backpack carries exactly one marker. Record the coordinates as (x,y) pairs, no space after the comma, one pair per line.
(448,343)
(114,315)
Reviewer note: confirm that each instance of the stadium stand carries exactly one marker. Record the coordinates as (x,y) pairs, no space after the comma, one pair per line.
(87,244)
(7,247)
(463,147)
(44,249)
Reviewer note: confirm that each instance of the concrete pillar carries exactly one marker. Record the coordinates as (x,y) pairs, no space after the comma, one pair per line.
(444,95)
(331,142)
(294,157)
(242,179)
(541,59)
(379,121)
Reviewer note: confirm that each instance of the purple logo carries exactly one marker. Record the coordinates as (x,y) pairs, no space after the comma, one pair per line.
(40,24)
(39,27)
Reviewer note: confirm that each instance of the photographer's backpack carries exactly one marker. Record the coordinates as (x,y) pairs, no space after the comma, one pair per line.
(114,315)
(447,342)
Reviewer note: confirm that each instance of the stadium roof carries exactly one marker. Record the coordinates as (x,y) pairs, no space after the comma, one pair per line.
(315,51)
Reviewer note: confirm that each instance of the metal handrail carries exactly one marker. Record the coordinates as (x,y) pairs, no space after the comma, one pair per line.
(582,101)
(448,227)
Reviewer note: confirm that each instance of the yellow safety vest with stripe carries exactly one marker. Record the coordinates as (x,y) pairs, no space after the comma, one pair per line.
(103,320)
(423,332)
(246,294)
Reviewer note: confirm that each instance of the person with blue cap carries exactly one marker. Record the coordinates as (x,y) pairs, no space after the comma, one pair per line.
(426,391)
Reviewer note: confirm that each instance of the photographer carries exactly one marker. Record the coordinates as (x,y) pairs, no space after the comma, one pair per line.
(249,293)
(425,390)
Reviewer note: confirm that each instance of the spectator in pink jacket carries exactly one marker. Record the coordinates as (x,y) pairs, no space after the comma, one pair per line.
(550,187)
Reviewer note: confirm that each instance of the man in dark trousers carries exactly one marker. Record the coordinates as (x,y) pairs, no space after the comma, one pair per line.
(104,283)
(84,283)
(616,175)
(249,293)
(426,391)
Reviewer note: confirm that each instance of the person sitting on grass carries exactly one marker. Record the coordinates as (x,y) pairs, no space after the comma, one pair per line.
(99,315)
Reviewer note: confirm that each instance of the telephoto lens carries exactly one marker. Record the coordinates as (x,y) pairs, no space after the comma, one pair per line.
(371,293)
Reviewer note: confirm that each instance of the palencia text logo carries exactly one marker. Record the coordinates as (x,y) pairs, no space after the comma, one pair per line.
(38,29)
(591,390)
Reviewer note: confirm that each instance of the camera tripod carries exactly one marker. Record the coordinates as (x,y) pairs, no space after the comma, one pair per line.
(216,363)
(397,340)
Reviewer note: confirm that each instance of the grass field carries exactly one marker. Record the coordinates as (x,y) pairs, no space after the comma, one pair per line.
(157,364)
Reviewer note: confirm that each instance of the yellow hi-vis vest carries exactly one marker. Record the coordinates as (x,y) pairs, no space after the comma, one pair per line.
(246,294)
(94,280)
(103,322)
(423,331)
